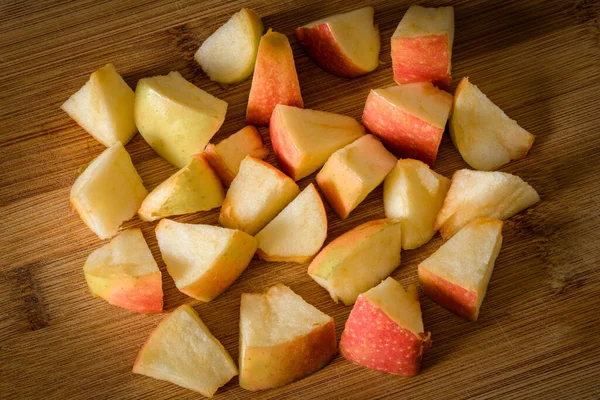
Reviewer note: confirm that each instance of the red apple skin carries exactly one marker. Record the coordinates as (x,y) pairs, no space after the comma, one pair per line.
(422,59)
(452,297)
(286,153)
(142,294)
(373,340)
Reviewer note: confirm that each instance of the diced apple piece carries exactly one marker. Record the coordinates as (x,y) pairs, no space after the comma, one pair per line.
(343,44)
(225,157)
(104,107)
(275,80)
(422,46)
(257,194)
(229,54)
(414,194)
(473,194)
(351,173)
(297,233)
(485,137)
(409,119)
(303,140)
(175,117)
(282,338)
(181,350)
(456,276)
(109,192)
(203,260)
(358,260)
(385,330)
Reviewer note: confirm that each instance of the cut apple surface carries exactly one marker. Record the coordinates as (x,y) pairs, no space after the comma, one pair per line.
(358,260)
(296,233)
(104,107)
(473,194)
(485,137)
(303,140)
(422,46)
(385,330)
(409,119)
(203,260)
(124,273)
(351,173)
(181,350)
(226,156)
(195,187)
(176,117)
(275,80)
(229,54)
(282,338)
(109,192)
(257,194)
(345,44)
(414,194)
(456,276)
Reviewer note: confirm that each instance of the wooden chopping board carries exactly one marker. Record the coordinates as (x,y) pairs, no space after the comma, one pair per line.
(538,331)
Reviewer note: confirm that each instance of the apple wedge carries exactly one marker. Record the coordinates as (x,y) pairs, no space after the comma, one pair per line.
(422,46)
(414,194)
(203,260)
(282,338)
(385,330)
(181,350)
(175,117)
(124,273)
(109,192)
(473,194)
(351,173)
(225,157)
(409,119)
(456,276)
(257,194)
(345,44)
(485,137)
(229,54)
(297,233)
(358,260)
(303,140)
(275,80)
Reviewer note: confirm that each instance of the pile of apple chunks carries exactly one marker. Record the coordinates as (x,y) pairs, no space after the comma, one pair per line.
(282,337)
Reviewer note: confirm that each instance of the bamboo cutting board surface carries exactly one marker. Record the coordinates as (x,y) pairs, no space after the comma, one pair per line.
(538,331)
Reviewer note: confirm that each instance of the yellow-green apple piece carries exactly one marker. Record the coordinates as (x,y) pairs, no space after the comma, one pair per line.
(483,134)
(203,260)
(385,330)
(124,273)
(109,192)
(182,350)
(473,194)
(257,194)
(352,172)
(297,233)
(275,80)
(175,117)
(104,107)
(456,276)
(226,156)
(345,44)
(229,54)
(282,338)
(414,194)
(303,140)
(358,260)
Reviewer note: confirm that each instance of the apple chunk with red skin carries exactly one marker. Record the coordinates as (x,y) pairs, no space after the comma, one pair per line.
(385,330)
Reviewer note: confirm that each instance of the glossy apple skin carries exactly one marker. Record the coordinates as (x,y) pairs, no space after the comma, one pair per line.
(139,294)
(422,59)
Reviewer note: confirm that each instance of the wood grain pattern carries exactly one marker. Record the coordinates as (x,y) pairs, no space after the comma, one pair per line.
(536,338)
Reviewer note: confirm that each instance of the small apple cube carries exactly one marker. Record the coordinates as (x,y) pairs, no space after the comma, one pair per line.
(456,276)
(409,119)
(203,260)
(385,330)
(351,173)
